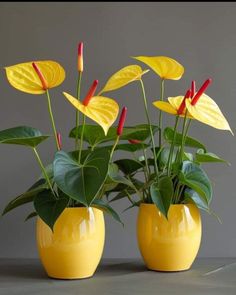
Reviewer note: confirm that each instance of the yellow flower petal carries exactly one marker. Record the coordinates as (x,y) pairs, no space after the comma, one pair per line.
(123,77)
(102,110)
(24,77)
(208,112)
(163,66)
(165,106)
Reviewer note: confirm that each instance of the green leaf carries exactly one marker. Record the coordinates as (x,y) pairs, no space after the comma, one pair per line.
(26,197)
(114,175)
(95,135)
(100,204)
(22,135)
(82,182)
(190,142)
(48,207)
(202,157)
(164,156)
(31,215)
(128,166)
(161,194)
(195,178)
(200,202)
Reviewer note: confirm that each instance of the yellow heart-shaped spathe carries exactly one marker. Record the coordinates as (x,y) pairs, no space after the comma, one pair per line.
(123,77)
(102,110)
(163,66)
(207,111)
(24,77)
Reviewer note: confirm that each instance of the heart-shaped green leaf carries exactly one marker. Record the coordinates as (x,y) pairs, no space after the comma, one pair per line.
(22,135)
(82,182)
(202,157)
(189,141)
(194,177)
(48,207)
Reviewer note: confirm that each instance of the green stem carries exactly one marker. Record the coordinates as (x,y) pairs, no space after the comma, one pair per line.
(187,128)
(182,141)
(150,127)
(180,194)
(172,147)
(43,170)
(77,111)
(114,146)
(52,120)
(129,197)
(81,139)
(160,113)
(146,163)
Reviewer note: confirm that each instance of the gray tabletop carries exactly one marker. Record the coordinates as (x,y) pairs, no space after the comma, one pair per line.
(119,277)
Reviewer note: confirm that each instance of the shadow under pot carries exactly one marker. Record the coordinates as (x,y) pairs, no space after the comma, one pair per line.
(169,245)
(74,249)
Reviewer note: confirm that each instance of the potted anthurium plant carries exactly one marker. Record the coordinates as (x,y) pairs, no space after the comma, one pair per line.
(68,196)
(174,185)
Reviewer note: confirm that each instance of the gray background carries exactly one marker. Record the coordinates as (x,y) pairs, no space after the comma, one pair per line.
(202,36)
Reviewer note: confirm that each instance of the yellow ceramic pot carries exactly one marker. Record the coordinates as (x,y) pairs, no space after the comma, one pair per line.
(169,245)
(74,249)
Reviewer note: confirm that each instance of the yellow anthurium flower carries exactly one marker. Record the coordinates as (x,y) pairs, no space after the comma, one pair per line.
(163,66)
(207,111)
(123,77)
(25,77)
(102,110)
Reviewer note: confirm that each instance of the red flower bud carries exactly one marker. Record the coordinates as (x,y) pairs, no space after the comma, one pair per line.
(59,140)
(200,91)
(90,93)
(182,106)
(121,121)
(80,57)
(193,89)
(134,141)
(40,75)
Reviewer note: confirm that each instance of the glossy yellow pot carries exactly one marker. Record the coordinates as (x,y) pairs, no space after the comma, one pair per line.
(74,249)
(169,245)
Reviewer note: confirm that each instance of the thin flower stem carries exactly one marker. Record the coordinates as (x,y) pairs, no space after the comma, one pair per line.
(114,146)
(77,111)
(160,113)
(81,139)
(182,141)
(150,127)
(146,161)
(129,197)
(52,120)
(172,147)
(43,170)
